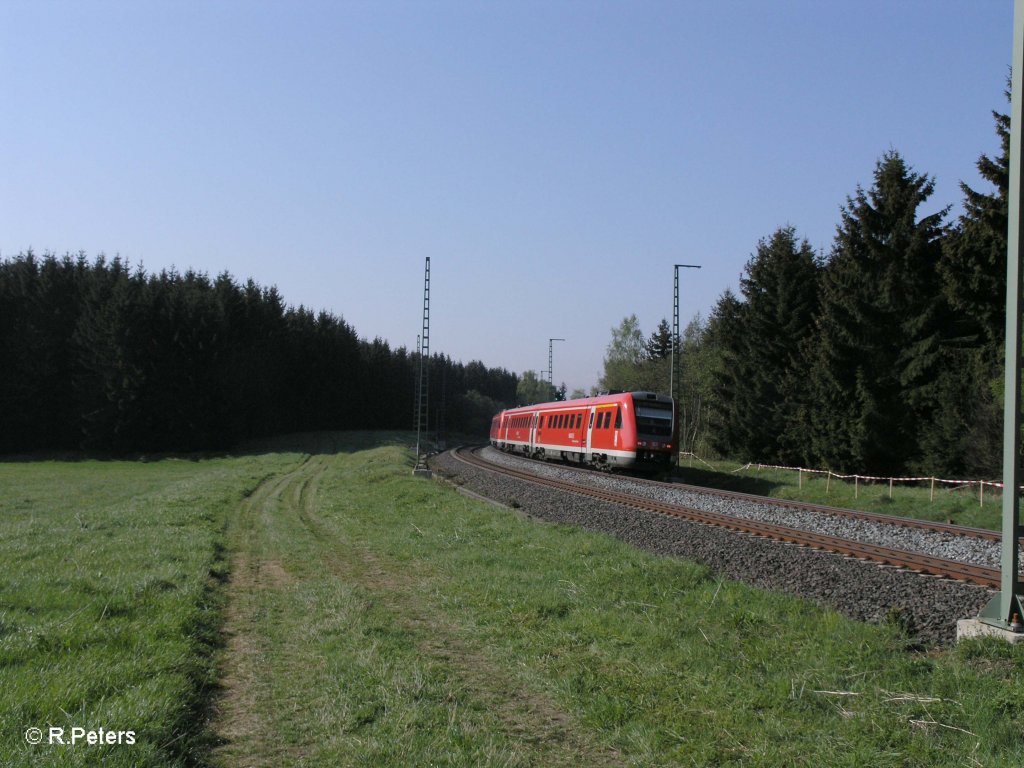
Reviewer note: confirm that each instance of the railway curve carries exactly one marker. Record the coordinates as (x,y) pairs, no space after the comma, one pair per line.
(747,549)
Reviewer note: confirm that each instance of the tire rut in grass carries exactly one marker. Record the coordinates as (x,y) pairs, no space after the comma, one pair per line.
(530,721)
(237,721)
(527,716)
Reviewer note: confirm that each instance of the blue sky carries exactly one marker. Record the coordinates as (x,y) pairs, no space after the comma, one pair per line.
(554,159)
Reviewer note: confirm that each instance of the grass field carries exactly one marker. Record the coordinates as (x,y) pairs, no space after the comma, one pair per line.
(961,504)
(315,604)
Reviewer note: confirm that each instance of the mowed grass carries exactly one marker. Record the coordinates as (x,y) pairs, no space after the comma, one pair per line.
(963,504)
(368,617)
(110,604)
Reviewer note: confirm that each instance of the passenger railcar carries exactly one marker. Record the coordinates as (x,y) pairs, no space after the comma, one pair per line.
(628,430)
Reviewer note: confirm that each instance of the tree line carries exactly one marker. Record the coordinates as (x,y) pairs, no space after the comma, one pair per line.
(99,356)
(883,355)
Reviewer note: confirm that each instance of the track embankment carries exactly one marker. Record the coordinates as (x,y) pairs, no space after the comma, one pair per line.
(925,605)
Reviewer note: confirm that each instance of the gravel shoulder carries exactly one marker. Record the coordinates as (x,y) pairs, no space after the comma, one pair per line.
(927,607)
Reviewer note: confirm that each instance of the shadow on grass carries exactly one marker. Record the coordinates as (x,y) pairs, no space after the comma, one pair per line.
(314,443)
(727,481)
(326,442)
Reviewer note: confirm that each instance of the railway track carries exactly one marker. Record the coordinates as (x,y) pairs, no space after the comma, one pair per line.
(912,561)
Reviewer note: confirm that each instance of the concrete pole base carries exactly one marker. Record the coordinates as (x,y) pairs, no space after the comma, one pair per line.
(968,628)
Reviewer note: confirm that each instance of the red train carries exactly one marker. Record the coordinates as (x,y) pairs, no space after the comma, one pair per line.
(629,430)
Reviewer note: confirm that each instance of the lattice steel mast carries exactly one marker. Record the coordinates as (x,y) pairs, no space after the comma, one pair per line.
(551,357)
(422,417)
(675,330)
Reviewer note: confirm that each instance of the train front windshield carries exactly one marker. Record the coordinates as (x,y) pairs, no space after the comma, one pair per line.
(654,419)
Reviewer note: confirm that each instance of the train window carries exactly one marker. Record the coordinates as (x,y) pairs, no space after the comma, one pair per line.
(590,423)
(654,419)
(579,420)
(618,418)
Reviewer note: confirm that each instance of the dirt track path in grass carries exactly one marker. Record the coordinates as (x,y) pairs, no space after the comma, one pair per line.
(334,657)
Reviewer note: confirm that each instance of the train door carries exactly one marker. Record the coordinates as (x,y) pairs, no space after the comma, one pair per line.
(589,433)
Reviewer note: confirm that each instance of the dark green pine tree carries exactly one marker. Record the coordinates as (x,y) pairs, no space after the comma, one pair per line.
(724,336)
(974,259)
(876,359)
(968,436)
(780,292)
(659,345)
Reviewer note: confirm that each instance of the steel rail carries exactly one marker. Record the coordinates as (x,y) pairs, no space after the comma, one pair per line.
(913,561)
(853,514)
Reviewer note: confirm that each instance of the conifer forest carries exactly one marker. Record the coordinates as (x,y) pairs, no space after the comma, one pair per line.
(883,354)
(101,357)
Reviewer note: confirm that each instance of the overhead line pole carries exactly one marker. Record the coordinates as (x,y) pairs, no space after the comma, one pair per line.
(675,328)
(1004,611)
(551,357)
(422,419)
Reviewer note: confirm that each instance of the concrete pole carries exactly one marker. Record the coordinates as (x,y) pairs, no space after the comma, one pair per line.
(1004,611)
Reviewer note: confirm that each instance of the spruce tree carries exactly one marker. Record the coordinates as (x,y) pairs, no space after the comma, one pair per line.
(974,259)
(876,359)
(973,267)
(780,291)
(659,345)
(725,336)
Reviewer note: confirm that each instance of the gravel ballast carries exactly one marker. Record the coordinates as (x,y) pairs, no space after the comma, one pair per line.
(926,606)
